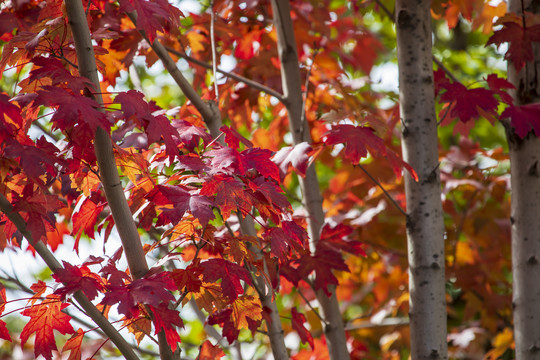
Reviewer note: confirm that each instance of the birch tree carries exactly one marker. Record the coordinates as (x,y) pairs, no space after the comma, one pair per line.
(424,210)
(525,172)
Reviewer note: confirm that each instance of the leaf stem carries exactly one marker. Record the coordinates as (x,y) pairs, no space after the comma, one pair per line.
(394,202)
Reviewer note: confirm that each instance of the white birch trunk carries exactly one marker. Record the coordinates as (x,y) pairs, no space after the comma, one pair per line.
(425,225)
(525,218)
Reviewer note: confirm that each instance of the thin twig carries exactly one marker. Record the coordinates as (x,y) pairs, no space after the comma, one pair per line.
(311,307)
(384,190)
(214,51)
(231,75)
(45,131)
(385,9)
(53,264)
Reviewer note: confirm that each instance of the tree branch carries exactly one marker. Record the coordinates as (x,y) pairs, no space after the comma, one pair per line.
(127,230)
(54,265)
(231,75)
(208,110)
(312,199)
(383,190)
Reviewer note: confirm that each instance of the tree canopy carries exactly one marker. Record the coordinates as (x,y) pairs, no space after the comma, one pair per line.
(244,160)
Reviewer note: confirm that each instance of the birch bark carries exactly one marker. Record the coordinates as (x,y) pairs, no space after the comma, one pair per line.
(425,225)
(525,183)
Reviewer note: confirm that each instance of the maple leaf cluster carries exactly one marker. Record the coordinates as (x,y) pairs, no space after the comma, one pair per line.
(182,183)
(187,190)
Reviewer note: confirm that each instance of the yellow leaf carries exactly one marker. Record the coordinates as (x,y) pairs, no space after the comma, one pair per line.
(502,342)
(246,306)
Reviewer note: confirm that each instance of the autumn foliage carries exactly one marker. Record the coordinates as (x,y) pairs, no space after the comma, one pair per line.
(189,190)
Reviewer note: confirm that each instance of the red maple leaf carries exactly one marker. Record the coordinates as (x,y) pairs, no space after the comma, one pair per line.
(54,70)
(223,318)
(268,198)
(519,41)
(524,118)
(37,209)
(233,138)
(188,279)
(11,119)
(153,290)
(230,274)
(133,104)
(182,200)
(298,321)
(230,195)
(470,104)
(227,160)
(259,159)
(296,156)
(335,238)
(72,108)
(498,86)
(210,352)
(74,278)
(74,345)
(44,319)
(357,140)
(190,134)
(36,159)
(157,126)
(149,15)
(167,320)
(322,263)
(283,240)
(4,332)
(85,220)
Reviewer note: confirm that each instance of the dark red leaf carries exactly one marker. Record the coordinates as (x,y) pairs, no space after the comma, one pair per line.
(149,16)
(470,104)
(182,200)
(190,134)
(230,274)
(153,290)
(72,109)
(229,195)
(223,318)
(233,138)
(335,238)
(357,140)
(85,220)
(298,321)
(524,118)
(167,320)
(498,86)
(74,279)
(519,41)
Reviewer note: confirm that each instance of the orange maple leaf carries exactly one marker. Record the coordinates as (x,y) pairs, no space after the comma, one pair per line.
(44,319)
(74,345)
(210,352)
